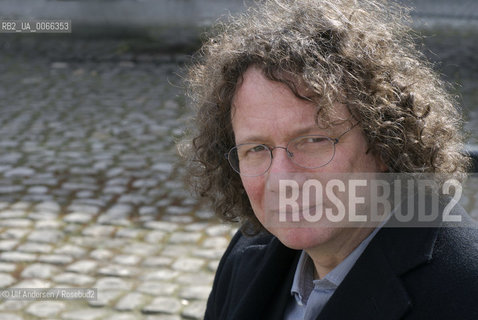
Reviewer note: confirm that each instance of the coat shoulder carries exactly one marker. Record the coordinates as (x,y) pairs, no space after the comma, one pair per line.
(456,252)
(447,286)
(456,247)
(237,263)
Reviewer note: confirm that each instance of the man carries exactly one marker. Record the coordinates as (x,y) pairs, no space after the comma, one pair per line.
(316,88)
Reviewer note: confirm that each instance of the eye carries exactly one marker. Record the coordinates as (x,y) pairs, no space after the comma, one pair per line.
(258,148)
(251,150)
(317,139)
(311,140)
(310,143)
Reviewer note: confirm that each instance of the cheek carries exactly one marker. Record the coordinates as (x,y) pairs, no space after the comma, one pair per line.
(369,163)
(354,158)
(360,162)
(254,187)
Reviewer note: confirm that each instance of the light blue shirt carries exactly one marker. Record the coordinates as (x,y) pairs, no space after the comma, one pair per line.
(309,296)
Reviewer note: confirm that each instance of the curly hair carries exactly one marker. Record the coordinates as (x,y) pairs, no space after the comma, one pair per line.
(359,52)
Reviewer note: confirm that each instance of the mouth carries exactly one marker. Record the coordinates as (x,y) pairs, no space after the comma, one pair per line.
(288,215)
(288,209)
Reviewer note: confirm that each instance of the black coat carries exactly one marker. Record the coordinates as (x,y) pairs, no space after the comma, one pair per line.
(404,273)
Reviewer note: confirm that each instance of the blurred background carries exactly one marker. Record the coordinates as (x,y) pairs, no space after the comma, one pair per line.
(91,186)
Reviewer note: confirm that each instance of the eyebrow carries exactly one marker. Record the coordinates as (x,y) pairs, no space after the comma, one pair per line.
(292,135)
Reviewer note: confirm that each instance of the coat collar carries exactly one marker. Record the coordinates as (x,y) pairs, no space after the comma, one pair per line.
(373,288)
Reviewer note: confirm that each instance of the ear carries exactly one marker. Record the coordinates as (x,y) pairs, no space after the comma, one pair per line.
(382,167)
(380,164)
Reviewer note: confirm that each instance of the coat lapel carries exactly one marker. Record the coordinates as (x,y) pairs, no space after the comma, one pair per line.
(269,288)
(373,288)
(371,291)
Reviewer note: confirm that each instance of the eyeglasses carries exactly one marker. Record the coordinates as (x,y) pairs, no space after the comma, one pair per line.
(308,152)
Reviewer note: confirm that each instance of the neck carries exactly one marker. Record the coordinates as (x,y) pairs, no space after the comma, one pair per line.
(327,256)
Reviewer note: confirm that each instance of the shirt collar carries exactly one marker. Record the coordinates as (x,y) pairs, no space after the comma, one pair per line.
(303,279)
(304,282)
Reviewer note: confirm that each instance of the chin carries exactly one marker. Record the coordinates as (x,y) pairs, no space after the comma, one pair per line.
(304,238)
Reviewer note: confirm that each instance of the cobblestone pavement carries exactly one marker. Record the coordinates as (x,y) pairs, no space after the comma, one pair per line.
(91,193)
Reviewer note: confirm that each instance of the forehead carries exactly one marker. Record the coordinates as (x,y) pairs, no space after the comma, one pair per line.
(264,108)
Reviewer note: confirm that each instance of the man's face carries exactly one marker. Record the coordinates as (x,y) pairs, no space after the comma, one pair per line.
(269,113)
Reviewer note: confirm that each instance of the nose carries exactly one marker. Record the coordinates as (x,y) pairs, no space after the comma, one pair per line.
(282,168)
(281,161)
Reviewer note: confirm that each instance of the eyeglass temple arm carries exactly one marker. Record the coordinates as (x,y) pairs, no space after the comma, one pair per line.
(337,139)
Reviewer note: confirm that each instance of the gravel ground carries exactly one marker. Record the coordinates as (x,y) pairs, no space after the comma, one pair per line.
(91,191)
